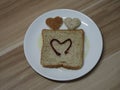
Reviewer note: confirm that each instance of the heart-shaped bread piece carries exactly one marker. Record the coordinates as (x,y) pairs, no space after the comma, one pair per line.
(54,23)
(72,23)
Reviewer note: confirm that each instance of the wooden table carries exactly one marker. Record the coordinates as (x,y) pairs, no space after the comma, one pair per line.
(15,18)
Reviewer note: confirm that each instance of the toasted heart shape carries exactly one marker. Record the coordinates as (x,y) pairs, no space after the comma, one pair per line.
(61,43)
(72,23)
(54,23)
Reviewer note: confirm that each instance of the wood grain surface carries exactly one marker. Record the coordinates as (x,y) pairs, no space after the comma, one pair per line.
(15,18)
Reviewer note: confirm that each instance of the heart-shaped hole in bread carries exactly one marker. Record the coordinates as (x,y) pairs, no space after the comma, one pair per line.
(61,43)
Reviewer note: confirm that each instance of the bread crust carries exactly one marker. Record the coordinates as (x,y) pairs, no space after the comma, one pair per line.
(61,64)
(64,66)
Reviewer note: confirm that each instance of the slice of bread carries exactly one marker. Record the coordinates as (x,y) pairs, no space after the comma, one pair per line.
(62,48)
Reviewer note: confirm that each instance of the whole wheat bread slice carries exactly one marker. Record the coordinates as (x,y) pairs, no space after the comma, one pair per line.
(62,48)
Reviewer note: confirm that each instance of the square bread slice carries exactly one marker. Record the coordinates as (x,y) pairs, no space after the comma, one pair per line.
(62,48)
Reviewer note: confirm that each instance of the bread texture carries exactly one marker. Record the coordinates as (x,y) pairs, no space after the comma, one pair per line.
(62,48)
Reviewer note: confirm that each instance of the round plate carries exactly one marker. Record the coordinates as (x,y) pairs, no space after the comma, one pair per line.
(92,50)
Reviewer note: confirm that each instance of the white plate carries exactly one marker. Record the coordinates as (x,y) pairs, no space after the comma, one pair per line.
(93,45)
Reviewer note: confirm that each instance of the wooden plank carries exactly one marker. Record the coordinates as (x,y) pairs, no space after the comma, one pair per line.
(16,73)
(15,18)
